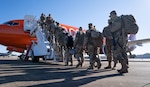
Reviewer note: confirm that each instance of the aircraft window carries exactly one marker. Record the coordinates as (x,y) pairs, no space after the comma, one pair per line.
(14,24)
(9,23)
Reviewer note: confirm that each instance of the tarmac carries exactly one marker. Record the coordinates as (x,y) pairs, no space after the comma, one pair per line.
(18,73)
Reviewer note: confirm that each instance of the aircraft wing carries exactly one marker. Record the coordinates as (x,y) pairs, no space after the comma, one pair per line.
(138,42)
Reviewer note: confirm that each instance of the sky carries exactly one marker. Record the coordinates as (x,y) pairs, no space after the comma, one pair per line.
(81,12)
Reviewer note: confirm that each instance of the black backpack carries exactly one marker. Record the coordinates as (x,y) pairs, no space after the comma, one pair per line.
(69,42)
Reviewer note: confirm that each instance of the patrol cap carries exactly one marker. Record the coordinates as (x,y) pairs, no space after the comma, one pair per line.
(90,24)
(113,12)
(80,28)
(57,23)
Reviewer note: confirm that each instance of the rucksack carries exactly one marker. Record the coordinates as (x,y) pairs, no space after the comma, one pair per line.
(70,42)
(95,34)
(97,38)
(129,24)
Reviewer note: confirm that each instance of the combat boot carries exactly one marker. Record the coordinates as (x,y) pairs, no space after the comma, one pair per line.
(99,66)
(71,64)
(82,60)
(98,63)
(109,65)
(124,68)
(90,67)
(125,71)
(78,65)
(66,64)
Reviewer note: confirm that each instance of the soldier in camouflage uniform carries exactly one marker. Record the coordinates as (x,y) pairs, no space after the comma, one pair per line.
(92,50)
(47,30)
(119,42)
(68,55)
(107,34)
(43,20)
(62,41)
(109,45)
(56,32)
(49,19)
(78,44)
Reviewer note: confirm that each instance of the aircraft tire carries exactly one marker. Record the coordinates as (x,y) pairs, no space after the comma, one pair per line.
(34,58)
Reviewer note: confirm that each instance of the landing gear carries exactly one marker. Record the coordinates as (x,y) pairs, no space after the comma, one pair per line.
(34,58)
(22,56)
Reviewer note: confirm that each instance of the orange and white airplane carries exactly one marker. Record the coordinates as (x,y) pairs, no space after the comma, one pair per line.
(13,36)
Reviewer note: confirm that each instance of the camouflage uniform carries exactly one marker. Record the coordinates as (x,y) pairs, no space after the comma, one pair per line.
(42,20)
(109,45)
(68,55)
(78,44)
(62,41)
(119,42)
(49,27)
(92,50)
(56,32)
(49,20)
(107,34)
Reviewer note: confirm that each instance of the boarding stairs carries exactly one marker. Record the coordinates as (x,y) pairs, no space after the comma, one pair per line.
(41,48)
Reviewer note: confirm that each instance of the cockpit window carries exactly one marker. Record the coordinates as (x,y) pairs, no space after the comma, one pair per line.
(11,23)
(8,23)
(15,24)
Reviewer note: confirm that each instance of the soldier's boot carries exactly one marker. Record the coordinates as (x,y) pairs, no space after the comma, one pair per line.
(66,64)
(78,63)
(114,67)
(90,67)
(71,63)
(124,68)
(98,63)
(82,60)
(109,65)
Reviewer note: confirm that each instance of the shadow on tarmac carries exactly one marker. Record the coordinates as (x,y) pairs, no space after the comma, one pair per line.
(41,71)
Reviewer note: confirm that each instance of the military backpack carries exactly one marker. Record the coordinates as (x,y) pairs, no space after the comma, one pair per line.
(129,24)
(97,38)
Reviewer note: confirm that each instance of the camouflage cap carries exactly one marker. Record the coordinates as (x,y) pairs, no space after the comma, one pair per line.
(113,12)
(90,24)
(80,28)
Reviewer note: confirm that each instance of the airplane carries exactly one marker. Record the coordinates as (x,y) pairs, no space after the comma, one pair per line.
(6,54)
(16,39)
(13,36)
(132,43)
